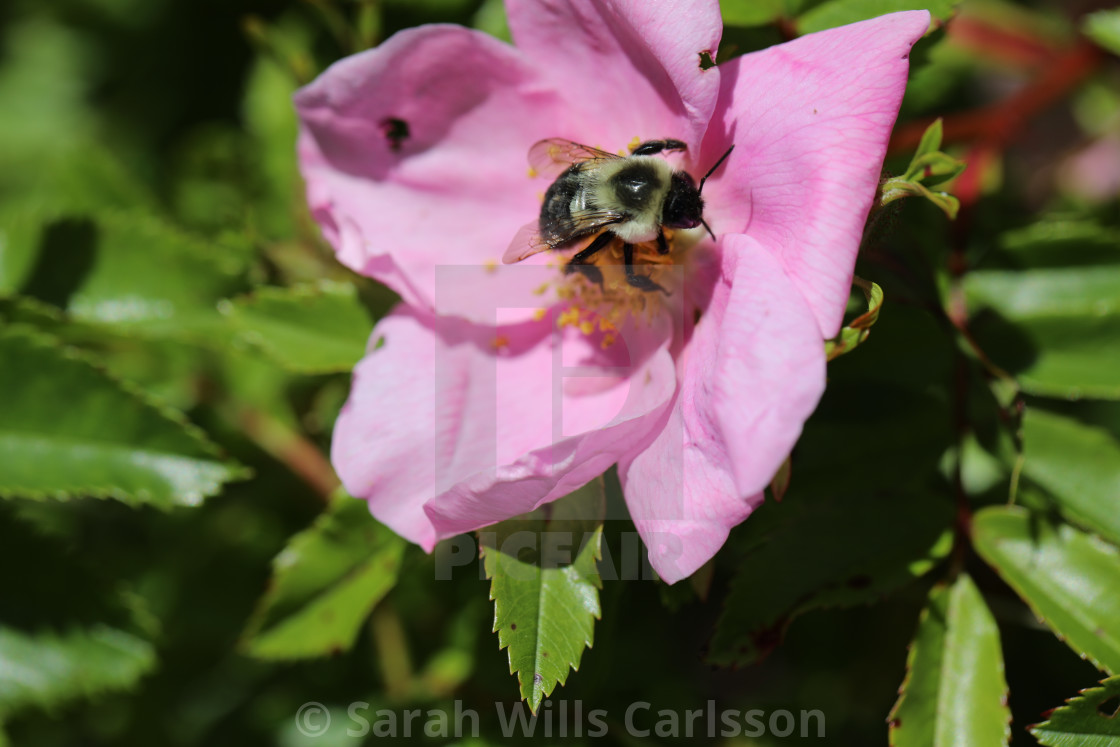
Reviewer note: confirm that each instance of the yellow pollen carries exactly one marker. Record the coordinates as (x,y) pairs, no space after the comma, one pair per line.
(568,318)
(491,266)
(500,342)
(634,143)
(541,290)
(599,302)
(533,173)
(539,314)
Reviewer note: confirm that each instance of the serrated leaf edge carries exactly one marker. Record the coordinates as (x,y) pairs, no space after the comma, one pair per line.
(146,399)
(562,679)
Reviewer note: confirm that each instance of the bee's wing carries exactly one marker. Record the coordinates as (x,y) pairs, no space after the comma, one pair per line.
(526,242)
(583,223)
(551,157)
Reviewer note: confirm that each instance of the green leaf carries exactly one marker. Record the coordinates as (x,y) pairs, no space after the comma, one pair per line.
(840,12)
(309,329)
(897,188)
(44,86)
(271,119)
(755,12)
(47,669)
(1058,329)
(67,430)
(545,600)
(833,553)
(929,165)
(1103,27)
(1059,242)
(1070,292)
(491,18)
(856,331)
(931,140)
(954,694)
(129,272)
(934,168)
(1068,577)
(1079,465)
(927,168)
(1088,720)
(324,585)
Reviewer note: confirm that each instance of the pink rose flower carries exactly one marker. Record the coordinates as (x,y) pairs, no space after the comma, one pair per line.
(493,389)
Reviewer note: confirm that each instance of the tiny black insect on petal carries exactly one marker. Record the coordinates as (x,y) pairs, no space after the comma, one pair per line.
(395,131)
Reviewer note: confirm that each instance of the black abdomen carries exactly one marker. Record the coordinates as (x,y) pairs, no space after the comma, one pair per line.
(556,212)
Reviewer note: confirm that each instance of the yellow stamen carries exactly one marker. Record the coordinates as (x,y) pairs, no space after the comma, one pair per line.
(568,318)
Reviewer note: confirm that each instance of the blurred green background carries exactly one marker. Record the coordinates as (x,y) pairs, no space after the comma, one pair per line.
(163,290)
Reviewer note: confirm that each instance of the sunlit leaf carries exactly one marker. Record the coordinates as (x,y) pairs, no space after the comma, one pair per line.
(834,13)
(545,586)
(1088,720)
(129,272)
(1103,27)
(66,429)
(1079,465)
(756,12)
(1069,578)
(310,329)
(955,694)
(324,584)
(46,669)
(1058,329)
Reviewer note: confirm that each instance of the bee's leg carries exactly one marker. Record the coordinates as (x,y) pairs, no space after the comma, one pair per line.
(662,243)
(642,282)
(578,263)
(653,147)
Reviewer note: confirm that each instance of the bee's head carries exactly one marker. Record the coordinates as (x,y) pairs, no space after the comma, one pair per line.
(684,208)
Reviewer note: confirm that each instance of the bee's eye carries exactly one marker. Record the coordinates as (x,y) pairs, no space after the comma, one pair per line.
(683,206)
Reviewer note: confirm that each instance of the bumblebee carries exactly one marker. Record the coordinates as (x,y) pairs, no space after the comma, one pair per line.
(631,199)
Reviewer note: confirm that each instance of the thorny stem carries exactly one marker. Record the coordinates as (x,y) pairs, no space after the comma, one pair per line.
(956,315)
(989,130)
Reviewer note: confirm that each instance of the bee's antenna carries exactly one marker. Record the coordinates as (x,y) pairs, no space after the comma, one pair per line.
(707,228)
(712,171)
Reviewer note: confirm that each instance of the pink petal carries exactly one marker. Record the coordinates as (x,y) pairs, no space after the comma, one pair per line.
(751,374)
(810,120)
(456,189)
(451,426)
(631,68)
